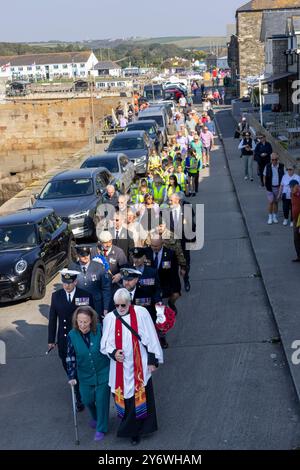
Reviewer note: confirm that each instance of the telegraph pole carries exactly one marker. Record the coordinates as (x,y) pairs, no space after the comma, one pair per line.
(93,116)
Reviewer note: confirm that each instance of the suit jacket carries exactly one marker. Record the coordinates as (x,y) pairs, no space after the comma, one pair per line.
(116,258)
(167,271)
(125,241)
(186,225)
(148,291)
(62,311)
(97,282)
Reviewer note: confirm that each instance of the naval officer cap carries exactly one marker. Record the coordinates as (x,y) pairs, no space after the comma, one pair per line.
(130,273)
(68,276)
(137,252)
(83,250)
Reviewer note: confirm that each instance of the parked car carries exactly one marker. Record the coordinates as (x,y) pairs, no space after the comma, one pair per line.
(153,92)
(34,245)
(152,129)
(136,145)
(118,165)
(75,196)
(158,114)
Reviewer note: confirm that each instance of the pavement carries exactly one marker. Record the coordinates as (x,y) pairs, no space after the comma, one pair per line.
(273,248)
(224,385)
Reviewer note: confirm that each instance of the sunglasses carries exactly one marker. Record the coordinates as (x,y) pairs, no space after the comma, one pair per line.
(120,305)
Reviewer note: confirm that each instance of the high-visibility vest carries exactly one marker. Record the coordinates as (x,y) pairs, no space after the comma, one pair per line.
(193,165)
(154,161)
(181,179)
(134,191)
(140,198)
(172,191)
(159,194)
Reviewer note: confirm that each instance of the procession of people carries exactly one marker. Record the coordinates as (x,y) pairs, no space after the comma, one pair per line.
(118,296)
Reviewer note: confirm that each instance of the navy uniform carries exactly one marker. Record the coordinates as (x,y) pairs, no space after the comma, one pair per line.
(60,318)
(148,291)
(94,279)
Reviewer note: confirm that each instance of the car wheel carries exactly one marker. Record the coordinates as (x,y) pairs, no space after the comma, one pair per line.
(38,284)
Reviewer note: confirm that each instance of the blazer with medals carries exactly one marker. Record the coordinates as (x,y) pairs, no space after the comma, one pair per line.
(148,291)
(62,310)
(95,281)
(167,271)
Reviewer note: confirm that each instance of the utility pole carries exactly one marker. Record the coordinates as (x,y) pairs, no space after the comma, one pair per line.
(260,102)
(93,116)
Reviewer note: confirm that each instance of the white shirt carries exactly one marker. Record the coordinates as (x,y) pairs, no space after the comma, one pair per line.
(182,101)
(71,294)
(147,332)
(285,184)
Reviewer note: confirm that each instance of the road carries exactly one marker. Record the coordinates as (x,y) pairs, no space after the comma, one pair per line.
(224,384)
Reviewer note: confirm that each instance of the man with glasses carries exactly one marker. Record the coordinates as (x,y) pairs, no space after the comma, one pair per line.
(273,174)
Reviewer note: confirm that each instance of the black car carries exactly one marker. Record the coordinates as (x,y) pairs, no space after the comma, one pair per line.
(152,129)
(75,196)
(136,145)
(34,245)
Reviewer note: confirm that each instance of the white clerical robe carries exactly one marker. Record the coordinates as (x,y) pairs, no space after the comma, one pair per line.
(147,332)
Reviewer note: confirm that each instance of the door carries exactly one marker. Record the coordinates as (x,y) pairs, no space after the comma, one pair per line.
(49,248)
(62,236)
(127,172)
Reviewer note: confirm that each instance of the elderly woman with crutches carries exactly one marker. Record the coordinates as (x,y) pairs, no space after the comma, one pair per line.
(92,367)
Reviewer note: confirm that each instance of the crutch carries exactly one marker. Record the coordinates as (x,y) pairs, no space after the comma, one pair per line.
(77,442)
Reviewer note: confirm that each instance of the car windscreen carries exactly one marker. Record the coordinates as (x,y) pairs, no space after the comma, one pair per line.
(139,126)
(110,163)
(153,94)
(17,236)
(158,119)
(130,143)
(67,188)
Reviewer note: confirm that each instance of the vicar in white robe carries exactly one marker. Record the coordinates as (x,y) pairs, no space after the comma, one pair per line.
(130,340)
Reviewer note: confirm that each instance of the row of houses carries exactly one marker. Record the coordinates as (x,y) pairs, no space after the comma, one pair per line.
(61,65)
(267,46)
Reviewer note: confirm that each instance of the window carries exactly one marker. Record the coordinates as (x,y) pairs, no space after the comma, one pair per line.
(38,67)
(82,65)
(121,84)
(101,85)
(29,68)
(44,227)
(74,65)
(12,69)
(82,74)
(20,68)
(123,163)
(65,66)
(55,220)
(55,66)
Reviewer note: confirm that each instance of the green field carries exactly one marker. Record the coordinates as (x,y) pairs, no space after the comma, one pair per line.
(197,42)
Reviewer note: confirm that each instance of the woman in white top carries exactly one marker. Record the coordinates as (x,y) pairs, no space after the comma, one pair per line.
(285,193)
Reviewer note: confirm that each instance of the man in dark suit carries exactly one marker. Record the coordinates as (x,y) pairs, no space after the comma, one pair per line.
(64,302)
(164,260)
(122,238)
(93,278)
(182,225)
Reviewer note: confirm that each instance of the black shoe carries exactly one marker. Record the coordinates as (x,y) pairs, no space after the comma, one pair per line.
(173,307)
(79,406)
(163,342)
(297,260)
(135,440)
(194,194)
(187,286)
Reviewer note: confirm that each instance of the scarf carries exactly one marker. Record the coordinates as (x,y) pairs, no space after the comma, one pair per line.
(139,388)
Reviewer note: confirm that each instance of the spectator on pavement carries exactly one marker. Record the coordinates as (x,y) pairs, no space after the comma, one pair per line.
(295,190)
(262,155)
(247,146)
(273,174)
(285,193)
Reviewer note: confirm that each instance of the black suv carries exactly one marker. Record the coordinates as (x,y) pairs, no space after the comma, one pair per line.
(34,245)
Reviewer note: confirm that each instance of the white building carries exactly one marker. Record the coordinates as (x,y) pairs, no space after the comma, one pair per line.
(222,62)
(48,66)
(109,84)
(107,68)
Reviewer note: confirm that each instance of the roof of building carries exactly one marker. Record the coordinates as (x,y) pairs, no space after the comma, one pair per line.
(45,59)
(106,65)
(274,23)
(261,5)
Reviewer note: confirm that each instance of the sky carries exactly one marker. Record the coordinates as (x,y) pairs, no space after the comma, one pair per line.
(77,20)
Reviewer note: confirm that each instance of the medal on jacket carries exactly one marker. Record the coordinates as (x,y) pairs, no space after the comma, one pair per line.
(80,301)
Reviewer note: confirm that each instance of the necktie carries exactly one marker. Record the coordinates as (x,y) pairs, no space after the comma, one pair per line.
(84,269)
(156,260)
(69,298)
(131,296)
(117,234)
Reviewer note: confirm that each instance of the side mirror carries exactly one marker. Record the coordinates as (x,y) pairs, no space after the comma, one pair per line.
(99,192)
(106,149)
(36,195)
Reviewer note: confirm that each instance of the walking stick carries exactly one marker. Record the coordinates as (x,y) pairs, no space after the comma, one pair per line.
(77,442)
